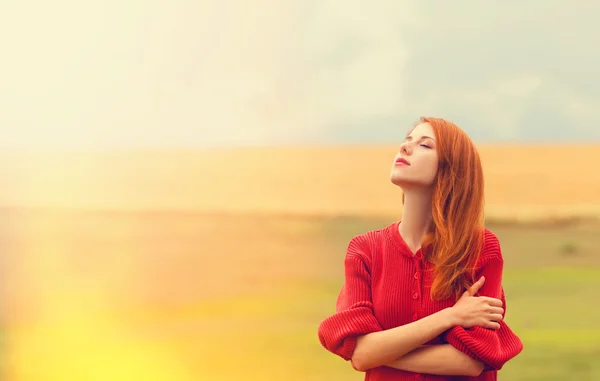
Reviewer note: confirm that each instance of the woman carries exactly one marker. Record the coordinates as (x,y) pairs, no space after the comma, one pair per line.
(423,297)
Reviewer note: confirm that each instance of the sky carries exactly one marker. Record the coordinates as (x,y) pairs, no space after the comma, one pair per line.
(187,73)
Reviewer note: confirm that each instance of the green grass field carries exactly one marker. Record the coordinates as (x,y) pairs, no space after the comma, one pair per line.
(237,297)
(552,281)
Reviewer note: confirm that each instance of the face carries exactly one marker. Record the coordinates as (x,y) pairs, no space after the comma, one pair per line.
(416,164)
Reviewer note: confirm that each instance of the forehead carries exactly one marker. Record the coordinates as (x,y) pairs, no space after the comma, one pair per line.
(421,129)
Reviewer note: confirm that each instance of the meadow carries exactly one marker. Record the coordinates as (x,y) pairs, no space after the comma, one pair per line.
(219,265)
(192,296)
(521,181)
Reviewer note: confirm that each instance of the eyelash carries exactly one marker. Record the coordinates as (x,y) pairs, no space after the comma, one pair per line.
(425,145)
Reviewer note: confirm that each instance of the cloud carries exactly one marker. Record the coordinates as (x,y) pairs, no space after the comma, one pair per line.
(141,73)
(147,73)
(507,70)
(356,57)
(212,72)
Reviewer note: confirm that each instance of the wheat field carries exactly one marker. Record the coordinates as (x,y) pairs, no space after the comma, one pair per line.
(219,265)
(521,181)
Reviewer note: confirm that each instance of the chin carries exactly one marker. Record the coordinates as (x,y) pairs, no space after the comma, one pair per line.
(397,181)
(405,184)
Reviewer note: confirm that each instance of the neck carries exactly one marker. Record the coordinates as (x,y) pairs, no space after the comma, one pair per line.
(416,216)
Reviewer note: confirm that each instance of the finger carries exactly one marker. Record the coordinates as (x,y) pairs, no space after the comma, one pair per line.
(496,317)
(492,325)
(496,310)
(484,322)
(492,301)
(476,286)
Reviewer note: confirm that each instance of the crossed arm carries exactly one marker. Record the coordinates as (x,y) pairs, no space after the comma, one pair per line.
(440,359)
(402,348)
(354,334)
(457,358)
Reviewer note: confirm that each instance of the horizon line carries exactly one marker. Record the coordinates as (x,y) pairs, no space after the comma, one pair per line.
(188,148)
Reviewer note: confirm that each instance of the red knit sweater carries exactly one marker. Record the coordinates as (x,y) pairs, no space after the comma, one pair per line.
(387,286)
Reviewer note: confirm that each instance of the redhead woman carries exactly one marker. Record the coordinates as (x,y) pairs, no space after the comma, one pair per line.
(423,297)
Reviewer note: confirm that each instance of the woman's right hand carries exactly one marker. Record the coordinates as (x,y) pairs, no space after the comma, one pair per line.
(481,311)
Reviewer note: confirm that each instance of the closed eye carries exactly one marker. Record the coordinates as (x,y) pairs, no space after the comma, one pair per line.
(425,145)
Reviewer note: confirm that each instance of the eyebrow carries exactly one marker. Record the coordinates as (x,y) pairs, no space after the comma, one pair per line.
(421,138)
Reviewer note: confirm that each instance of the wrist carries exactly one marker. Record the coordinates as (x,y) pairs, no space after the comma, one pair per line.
(450,317)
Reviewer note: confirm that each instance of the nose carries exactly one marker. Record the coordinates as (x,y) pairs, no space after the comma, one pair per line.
(405,148)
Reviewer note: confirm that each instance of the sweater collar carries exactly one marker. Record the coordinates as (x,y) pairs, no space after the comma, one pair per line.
(397,240)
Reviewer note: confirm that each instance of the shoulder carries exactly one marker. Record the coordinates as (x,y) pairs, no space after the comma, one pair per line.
(491,250)
(366,245)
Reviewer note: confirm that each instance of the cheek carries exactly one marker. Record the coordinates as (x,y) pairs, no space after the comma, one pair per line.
(432,165)
(432,169)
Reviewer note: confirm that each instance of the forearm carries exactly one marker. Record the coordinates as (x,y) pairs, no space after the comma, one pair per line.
(442,359)
(381,348)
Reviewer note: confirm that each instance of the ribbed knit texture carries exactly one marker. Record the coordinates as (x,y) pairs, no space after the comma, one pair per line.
(387,286)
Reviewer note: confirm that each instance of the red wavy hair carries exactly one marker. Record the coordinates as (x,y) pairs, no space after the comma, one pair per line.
(455,238)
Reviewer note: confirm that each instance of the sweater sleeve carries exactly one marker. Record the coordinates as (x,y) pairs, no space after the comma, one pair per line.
(492,347)
(354,317)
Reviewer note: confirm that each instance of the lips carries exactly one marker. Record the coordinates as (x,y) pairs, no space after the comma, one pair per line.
(402,161)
